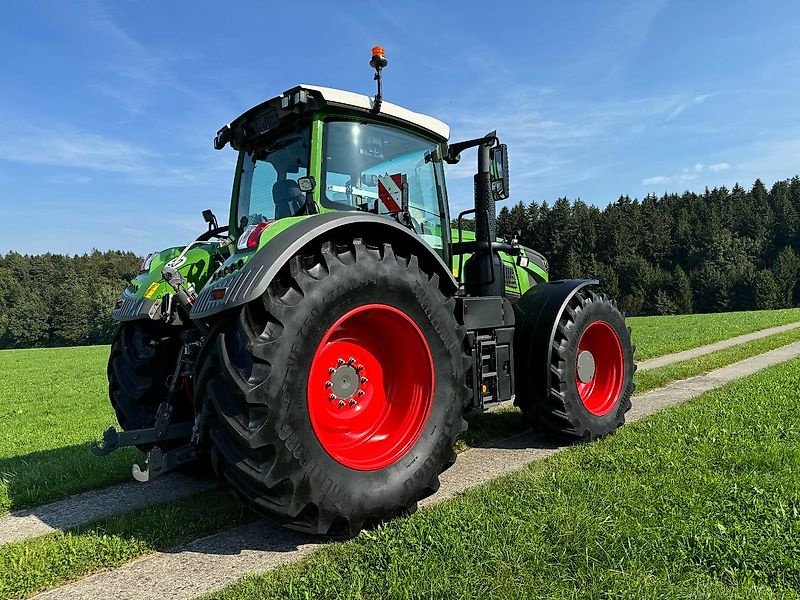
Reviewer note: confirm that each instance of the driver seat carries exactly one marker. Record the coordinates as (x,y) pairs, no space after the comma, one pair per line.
(288,198)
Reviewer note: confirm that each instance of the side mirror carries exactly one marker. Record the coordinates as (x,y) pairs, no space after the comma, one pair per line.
(499,171)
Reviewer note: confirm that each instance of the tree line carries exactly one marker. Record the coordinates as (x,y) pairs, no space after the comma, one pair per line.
(55,300)
(721,250)
(724,249)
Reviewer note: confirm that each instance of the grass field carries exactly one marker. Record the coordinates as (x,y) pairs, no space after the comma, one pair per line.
(700,501)
(656,336)
(31,475)
(53,402)
(41,563)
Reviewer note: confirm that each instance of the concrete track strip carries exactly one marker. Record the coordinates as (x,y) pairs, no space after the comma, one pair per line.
(211,563)
(670,359)
(97,504)
(104,502)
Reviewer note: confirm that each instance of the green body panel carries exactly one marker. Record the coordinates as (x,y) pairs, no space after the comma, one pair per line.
(525,277)
(150,285)
(240,258)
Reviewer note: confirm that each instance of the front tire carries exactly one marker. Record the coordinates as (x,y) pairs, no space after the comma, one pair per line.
(143,356)
(338,395)
(590,375)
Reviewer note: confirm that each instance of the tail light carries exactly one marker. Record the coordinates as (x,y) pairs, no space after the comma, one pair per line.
(250,236)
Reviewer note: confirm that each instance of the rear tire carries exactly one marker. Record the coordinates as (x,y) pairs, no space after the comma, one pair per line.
(143,356)
(282,436)
(590,373)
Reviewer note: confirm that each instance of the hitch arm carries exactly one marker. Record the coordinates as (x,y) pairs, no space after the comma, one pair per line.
(113,439)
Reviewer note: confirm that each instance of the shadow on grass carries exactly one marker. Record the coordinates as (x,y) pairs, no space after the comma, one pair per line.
(49,475)
(505,428)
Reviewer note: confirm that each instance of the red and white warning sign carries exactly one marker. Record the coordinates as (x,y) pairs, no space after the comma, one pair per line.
(390,191)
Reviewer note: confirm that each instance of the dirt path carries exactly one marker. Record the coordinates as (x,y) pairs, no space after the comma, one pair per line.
(670,359)
(215,561)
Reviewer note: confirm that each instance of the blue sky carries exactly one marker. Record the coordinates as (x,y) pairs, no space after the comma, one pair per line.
(108,109)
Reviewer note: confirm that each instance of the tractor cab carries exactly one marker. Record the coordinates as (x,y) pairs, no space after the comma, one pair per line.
(315,150)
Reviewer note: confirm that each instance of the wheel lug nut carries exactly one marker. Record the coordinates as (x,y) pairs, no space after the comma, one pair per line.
(360,368)
(328,384)
(341,403)
(364,380)
(360,393)
(331,371)
(340,361)
(332,397)
(351,361)
(353,402)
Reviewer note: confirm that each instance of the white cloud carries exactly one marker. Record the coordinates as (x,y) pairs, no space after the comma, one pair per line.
(65,147)
(77,153)
(551,140)
(687,174)
(686,104)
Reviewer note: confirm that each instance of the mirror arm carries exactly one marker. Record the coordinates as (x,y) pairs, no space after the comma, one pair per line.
(454,150)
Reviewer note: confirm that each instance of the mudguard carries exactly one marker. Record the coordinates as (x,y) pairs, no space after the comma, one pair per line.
(252,280)
(537,314)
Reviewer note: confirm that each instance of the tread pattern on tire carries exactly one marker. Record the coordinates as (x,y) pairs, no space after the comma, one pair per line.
(559,409)
(143,355)
(243,370)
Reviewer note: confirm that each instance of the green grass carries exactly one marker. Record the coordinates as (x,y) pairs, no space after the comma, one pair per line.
(507,421)
(661,376)
(700,501)
(53,402)
(41,563)
(45,562)
(656,336)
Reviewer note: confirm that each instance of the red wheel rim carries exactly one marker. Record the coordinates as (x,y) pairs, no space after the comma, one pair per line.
(600,368)
(370,388)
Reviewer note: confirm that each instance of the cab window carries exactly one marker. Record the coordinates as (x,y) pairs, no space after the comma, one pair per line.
(268,187)
(362,158)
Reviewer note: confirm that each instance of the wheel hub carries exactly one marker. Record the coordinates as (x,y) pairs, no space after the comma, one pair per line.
(586,366)
(344,382)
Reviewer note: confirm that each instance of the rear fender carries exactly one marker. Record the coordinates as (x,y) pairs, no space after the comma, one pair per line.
(253,279)
(537,314)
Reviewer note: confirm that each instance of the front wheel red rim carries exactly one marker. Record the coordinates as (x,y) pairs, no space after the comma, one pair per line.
(370,387)
(600,368)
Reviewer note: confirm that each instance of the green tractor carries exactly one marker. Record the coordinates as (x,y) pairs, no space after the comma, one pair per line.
(320,353)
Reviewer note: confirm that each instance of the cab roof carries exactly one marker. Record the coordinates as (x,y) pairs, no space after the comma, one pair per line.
(268,114)
(362,102)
